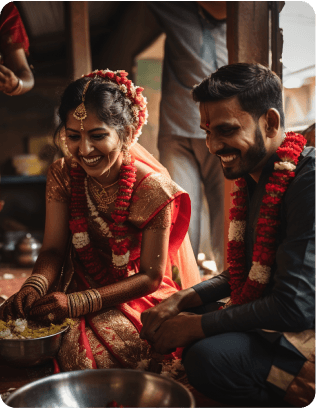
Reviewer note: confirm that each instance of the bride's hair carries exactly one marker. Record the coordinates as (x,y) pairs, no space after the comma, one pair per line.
(102,97)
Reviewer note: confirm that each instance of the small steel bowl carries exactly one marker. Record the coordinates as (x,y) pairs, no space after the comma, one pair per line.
(30,352)
(97,388)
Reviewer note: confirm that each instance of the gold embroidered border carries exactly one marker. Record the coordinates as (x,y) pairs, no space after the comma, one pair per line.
(58,186)
(151,194)
(70,356)
(102,357)
(116,330)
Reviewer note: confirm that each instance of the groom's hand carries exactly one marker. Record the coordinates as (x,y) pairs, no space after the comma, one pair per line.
(153,318)
(178,331)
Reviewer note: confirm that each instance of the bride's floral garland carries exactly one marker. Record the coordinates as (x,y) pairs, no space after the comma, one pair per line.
(245,289)
(81,204)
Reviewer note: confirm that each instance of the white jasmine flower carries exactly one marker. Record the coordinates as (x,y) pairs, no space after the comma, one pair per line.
(80,239)
(260,273)
(237,230)
(20,325)
(120,260)
(5,334)
(284,166)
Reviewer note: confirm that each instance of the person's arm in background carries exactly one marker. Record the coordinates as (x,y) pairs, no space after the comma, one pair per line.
(16,68)
(216,9)
(16,77)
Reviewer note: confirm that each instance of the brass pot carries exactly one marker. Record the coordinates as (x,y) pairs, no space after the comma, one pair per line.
(27,250)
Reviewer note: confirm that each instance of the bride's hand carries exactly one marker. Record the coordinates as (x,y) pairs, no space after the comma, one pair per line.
(7,310)
(51,308)
(19,304)
(24,299)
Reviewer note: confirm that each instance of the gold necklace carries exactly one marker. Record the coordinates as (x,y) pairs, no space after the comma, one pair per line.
(104,187)
(102,198)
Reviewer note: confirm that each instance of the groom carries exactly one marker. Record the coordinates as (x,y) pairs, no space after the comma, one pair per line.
(258,348)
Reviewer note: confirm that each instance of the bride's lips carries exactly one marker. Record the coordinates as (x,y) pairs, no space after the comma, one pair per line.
(91,161)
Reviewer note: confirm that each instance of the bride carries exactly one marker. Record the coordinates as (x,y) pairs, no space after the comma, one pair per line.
(116,228)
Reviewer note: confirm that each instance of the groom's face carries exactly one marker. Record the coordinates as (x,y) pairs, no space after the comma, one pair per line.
(234,136)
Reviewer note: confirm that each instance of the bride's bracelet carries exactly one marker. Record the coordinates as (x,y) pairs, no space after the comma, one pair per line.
(38,282)
(82,303)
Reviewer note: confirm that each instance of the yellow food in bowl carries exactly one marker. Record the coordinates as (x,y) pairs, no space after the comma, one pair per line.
(22,329)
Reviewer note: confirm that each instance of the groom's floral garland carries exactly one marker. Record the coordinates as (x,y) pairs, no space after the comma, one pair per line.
(245,289)
(81,204)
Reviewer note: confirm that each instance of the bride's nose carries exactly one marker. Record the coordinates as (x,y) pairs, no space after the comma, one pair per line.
(85,147)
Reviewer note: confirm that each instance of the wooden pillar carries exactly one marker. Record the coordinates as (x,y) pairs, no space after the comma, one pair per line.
(248,31)
(276,37)
(79,51)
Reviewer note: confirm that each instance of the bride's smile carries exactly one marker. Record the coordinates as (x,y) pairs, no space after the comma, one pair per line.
(97,148)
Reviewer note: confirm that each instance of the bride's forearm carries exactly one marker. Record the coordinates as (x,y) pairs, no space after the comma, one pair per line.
(93,300)
(128,289)
(48,264)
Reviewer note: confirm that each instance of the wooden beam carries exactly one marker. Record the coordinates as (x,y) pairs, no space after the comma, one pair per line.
(77,18)
(248,31)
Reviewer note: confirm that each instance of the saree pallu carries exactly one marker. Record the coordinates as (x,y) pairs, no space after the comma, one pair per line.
(110,338)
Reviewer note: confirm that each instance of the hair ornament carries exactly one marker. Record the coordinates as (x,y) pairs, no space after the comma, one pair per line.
(132,92)
(81,113)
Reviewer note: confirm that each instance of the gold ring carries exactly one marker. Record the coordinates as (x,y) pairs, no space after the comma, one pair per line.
(51,316)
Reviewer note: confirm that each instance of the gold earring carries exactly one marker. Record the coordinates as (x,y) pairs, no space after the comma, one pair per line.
(81,113)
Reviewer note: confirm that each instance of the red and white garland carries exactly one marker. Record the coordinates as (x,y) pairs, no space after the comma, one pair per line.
(245,289)
(132,92)
(120,243)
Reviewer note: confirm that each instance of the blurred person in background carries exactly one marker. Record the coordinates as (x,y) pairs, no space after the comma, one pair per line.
(195,47)
(16,77)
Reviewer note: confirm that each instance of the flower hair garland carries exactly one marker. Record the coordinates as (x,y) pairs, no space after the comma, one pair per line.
(132,92)
(246,289)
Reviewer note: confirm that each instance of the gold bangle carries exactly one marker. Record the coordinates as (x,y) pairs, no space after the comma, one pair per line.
(96,300)
(82,303)
(78,304)
(90,300)
(69,306)
(17,90)
(72,307)
(38,282)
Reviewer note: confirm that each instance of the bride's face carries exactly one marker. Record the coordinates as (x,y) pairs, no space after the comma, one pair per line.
(97,148)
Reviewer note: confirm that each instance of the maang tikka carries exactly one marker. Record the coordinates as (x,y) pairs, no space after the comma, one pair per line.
(81,113)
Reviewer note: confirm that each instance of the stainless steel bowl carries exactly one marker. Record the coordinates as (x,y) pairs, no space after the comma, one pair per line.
(30,352)
(97,388)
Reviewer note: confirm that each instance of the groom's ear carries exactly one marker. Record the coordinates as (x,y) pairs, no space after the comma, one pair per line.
(272,123)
